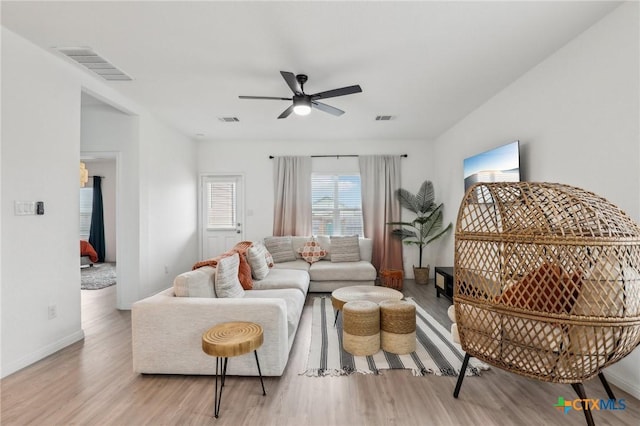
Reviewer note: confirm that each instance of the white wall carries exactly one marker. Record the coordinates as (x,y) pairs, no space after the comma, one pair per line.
(168,206)
(251,158)
(40,158)
(41,135)
(106,169)
(577,117)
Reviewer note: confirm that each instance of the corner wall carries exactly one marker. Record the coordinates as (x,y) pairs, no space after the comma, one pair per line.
(577,117)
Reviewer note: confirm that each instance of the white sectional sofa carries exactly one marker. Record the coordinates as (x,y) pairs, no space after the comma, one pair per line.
(325,275)
(167,330)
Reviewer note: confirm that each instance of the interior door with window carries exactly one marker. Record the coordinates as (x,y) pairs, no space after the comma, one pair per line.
(222,214)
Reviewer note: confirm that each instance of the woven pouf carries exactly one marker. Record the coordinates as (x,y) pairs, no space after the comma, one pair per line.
(361,327)
(398,326)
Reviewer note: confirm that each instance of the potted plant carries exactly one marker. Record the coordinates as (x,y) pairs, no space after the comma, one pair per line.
(425,228)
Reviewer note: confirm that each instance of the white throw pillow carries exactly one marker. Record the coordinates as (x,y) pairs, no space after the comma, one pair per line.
(345,249)
(281,249)
(257,257)
(227,283)
(197,283)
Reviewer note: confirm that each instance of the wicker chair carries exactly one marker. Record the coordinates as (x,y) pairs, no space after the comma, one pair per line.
(547,282)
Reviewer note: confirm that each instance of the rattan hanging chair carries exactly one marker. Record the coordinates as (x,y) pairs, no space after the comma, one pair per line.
(547,281)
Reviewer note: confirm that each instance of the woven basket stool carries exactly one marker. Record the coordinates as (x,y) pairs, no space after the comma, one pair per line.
(231,339)
(398,326)
(361,327)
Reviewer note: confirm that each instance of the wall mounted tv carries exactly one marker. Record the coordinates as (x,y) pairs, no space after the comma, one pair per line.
(501,164)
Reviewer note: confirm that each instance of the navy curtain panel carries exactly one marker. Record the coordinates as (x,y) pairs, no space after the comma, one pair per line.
(96,232)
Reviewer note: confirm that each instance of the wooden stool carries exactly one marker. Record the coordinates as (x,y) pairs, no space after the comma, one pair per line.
(361,327)
(231,339)
(398,326)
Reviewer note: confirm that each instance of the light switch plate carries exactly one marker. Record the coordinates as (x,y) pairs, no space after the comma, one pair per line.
(22,208)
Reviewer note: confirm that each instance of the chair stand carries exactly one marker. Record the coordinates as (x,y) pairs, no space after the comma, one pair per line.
(577,387)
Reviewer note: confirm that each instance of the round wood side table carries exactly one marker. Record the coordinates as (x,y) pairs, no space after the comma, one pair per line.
(230,339)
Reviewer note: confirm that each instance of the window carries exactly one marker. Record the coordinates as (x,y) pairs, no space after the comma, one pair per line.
(221,205)
(336,204)
(86,208)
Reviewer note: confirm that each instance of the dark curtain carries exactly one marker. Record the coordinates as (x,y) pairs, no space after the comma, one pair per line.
(96,232)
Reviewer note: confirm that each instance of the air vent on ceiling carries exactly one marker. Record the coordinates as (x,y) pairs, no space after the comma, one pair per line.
(229,119)
(88,58)
(384,117)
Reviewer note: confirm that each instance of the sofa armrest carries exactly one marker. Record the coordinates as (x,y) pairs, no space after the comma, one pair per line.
(167,333)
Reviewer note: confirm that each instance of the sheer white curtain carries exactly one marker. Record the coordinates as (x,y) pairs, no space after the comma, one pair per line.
(292,196)
(380,178)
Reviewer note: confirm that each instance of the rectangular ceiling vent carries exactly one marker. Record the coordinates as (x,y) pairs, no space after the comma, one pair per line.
(384,117)
(86,57)
(229,119)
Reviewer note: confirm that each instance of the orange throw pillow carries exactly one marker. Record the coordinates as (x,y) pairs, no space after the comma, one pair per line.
(547,289)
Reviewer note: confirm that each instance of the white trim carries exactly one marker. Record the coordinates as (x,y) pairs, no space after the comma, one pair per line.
(43,352)
(623,383)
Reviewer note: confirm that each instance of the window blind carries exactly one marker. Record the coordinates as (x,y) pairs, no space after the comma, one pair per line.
(221,205)
(336,204)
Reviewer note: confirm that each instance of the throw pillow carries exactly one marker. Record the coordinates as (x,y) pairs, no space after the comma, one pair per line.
(268,257)
(345,249)
(227,283)
(311,251)
(198,283)
(547,289)
(281,249)
(256,255)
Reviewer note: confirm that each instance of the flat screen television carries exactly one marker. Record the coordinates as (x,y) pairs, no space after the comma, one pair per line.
(501,164)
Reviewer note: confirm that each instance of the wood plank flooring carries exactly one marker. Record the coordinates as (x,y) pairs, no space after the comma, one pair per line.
(92,383)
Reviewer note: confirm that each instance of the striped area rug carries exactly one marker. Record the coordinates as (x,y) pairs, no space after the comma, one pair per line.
(435,352)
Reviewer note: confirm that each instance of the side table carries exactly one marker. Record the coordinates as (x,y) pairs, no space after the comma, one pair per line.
(231,339)
(444,282)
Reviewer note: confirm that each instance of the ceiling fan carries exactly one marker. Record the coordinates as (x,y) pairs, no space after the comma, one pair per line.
(302,103)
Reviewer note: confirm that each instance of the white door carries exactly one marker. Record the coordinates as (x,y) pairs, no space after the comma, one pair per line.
(222,213)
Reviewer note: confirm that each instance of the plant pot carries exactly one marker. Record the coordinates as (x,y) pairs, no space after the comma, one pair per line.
(421,275)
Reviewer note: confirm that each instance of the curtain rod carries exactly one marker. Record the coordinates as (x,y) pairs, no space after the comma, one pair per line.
(271,157)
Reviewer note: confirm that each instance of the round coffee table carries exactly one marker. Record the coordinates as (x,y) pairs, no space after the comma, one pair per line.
(371,293)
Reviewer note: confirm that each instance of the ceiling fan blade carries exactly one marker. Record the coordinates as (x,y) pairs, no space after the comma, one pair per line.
(286,112)
(337,92)
(291,80)
(327,108)
(265,97)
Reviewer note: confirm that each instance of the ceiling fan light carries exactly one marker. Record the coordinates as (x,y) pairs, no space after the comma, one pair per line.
(302,109)
(301,105)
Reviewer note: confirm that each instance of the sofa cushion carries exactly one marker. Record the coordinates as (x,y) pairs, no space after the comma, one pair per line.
(298,264)
(280,248)
(311,251)
(293,298)
(227,283)
(284,278)
(256,255)
(198,283)
(352,271)
(345,249)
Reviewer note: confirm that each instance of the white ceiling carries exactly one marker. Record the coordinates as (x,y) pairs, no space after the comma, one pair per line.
(427,63)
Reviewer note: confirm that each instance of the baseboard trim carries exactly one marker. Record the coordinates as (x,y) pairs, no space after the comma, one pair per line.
(42,353)
(623,383)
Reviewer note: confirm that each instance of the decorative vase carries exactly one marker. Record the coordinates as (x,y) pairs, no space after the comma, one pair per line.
(421,275)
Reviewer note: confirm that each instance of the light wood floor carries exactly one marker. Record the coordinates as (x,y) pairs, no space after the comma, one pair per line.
(92,383)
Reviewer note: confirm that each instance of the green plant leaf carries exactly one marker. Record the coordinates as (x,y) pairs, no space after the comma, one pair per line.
(407,200)
(424,198)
